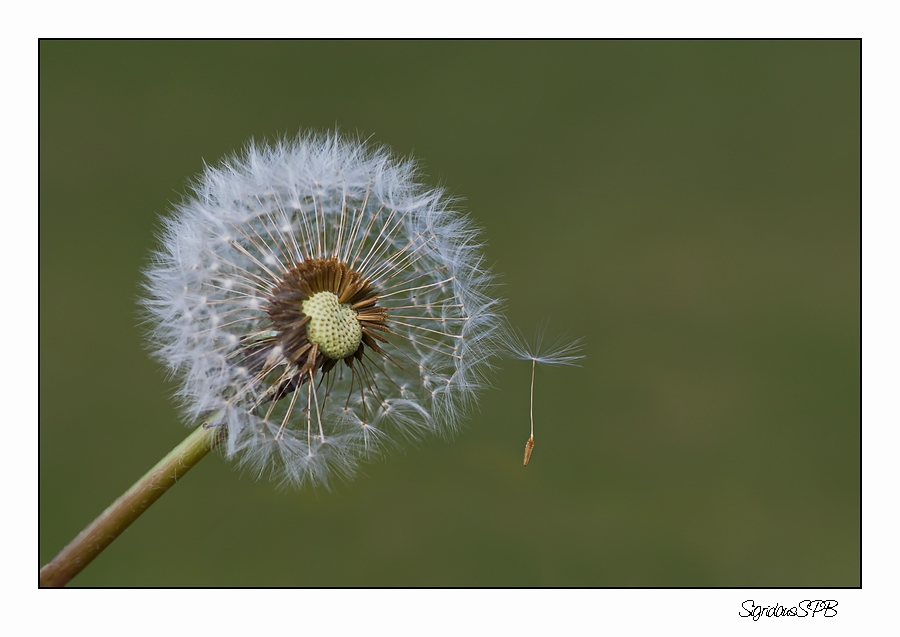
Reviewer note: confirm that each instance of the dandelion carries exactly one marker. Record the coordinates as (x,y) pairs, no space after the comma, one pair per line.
(557,353)
(318,306)
(321,306)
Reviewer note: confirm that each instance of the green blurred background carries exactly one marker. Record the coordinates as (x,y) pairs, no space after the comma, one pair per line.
(691,208)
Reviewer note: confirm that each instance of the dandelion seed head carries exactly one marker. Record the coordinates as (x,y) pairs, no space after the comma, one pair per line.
(321,305)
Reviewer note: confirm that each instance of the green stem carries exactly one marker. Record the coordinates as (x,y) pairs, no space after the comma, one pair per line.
(121,513)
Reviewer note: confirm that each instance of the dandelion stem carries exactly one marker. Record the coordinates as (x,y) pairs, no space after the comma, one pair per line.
(121,513)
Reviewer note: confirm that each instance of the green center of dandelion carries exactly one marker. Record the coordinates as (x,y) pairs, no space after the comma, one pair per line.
(333,325)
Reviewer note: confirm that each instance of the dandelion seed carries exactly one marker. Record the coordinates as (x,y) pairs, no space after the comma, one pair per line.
(558,353)
(321,305)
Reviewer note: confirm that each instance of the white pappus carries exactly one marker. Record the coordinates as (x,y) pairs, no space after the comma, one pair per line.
(321,305)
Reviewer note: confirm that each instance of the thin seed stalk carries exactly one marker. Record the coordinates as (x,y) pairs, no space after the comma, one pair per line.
(121,513)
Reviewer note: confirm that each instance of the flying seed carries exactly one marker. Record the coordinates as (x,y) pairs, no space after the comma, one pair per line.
(560,353)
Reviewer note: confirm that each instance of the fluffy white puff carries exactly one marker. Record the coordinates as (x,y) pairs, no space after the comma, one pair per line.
(258,216)
(558,352)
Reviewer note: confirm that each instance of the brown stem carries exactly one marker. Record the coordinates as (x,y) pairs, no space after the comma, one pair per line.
(121,513)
